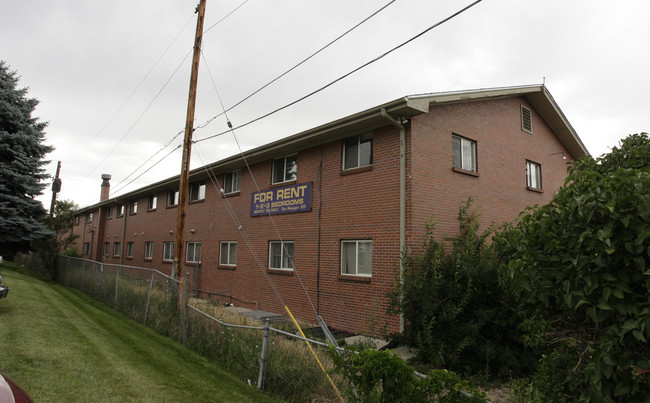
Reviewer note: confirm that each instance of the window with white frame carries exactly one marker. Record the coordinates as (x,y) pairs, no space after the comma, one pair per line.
(86,248)
(129,249)
(281,255)
(153,202)
(107,248)
(228,254)
(357,151)
(120,210)
(148,250)
(356,257)
(76,220)
(172,198)
(285,169)
(193,253)
(464,153)
(168,251)
(197,191)
(526,120)
(117,248)
(109,212)
(231,181)
(533,175)
(134,208)
(89,218)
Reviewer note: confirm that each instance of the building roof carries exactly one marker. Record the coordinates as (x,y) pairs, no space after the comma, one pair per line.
(403,108)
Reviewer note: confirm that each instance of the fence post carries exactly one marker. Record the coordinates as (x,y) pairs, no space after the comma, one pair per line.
(117,283)
(265,347)
(146,312)
(185,309)
(196,279)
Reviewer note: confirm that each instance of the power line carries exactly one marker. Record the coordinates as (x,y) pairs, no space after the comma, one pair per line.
(349,73)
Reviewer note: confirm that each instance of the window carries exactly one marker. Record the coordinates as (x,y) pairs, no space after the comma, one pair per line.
(117,248)
(89,218)
(197,191)
(526,120)
(281,255)
(464,153)
(107,248)
(228,256)
(356,258)
(76,220)
(129,249)
(231,181)
(357,151)
(134,208)
(120,210)
(193,253)
(109,212)
(533,175)
(86,248)
(152,203)
(285,169)
(148,250)
(168,251)
(172,198)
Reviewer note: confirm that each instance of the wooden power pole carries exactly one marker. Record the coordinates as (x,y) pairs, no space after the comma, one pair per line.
(56,188)
(183,187)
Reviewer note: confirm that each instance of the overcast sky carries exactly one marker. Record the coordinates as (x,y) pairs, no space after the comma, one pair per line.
(90,65)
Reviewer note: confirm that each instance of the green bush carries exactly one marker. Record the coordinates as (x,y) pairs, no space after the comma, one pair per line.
(579,267)
(456,314)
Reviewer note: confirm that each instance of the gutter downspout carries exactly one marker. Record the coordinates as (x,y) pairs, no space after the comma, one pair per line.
(402,197)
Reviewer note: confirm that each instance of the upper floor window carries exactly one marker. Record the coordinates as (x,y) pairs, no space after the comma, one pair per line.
(76,220)
(197,191)
(109,212)
(133,209)
(357,151)
(533,175)
(153,202)
(231,181)
(526,120)
(120,210)
(285,169)
(356,257)
(89,218)
(464,153)
(228,255)
(281,255)
(172,198)
(193,254)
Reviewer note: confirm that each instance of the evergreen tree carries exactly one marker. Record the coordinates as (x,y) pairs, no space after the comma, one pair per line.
(21,166)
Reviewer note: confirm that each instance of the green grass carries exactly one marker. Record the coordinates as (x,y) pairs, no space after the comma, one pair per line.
(61,345)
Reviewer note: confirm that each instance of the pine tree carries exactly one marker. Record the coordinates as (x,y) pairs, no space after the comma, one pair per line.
(21,166)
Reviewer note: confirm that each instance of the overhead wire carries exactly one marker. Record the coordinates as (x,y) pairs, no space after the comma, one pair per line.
(349,73)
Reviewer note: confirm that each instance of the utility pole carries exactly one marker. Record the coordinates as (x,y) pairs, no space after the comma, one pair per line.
(56,188)
(179,238)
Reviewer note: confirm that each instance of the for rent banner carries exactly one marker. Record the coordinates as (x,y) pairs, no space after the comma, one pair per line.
(288,199)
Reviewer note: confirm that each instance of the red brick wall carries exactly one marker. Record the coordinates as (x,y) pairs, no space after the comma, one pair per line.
(363,204)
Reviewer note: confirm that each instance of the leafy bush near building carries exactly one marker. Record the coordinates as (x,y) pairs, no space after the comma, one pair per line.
(579,269)
(456,314)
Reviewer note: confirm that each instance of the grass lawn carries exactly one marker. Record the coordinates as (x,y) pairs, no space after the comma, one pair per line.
(62,346)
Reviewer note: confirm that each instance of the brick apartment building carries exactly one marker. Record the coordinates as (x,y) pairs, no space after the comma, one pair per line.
(337,203)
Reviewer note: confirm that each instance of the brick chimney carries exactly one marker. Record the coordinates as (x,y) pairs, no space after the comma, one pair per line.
(106,187)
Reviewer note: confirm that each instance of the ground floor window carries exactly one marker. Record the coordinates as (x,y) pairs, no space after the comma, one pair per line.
(228,255)
(356,257)
(129,249)
(281,255)
(193,254)
(168,251)
(148,250)
(86,248)
(107,248)
(117,248)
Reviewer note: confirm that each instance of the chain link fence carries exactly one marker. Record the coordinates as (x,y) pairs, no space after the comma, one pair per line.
(274,359)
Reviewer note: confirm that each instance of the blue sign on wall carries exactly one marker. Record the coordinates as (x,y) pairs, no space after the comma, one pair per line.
(288,199)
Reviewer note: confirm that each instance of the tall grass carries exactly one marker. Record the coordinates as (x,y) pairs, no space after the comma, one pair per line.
(291,371)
